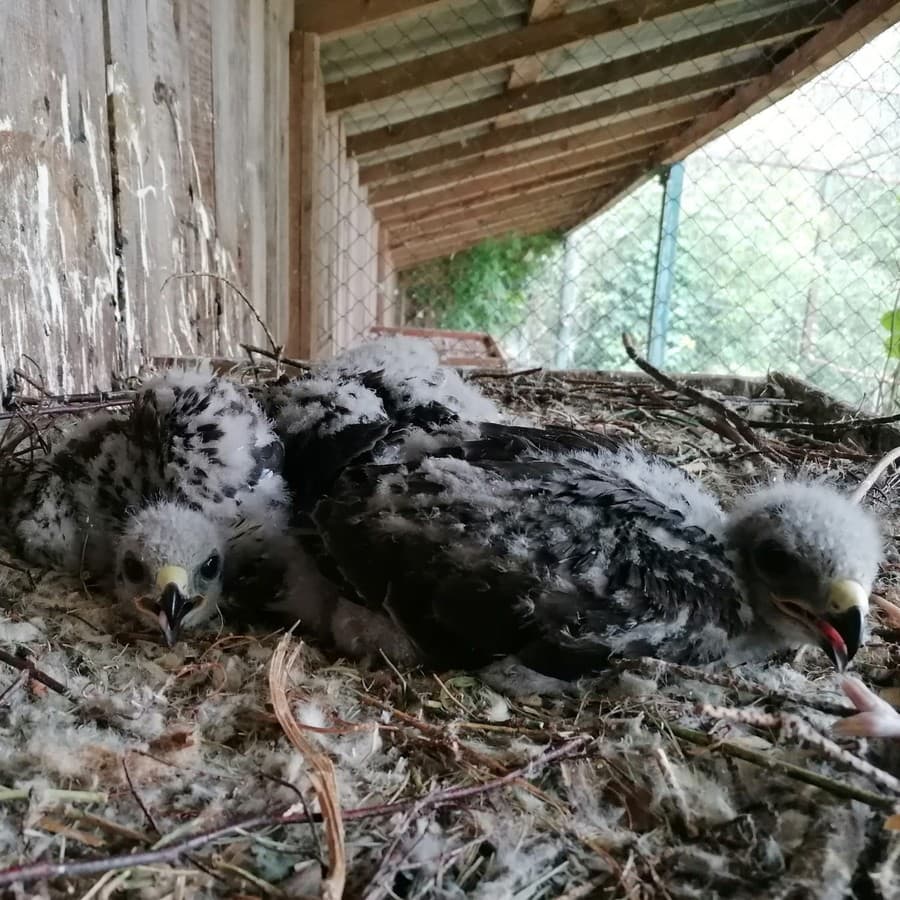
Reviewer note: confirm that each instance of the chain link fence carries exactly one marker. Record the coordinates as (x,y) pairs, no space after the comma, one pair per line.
(531,201)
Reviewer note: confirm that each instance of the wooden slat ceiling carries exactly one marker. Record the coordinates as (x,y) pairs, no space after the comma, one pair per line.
(474,118)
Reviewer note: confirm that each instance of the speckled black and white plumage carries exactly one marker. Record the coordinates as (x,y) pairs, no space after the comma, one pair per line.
(343,410)
(561,550)
(193,471)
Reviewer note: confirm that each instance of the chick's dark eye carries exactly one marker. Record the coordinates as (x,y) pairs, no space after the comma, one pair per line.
(210,568)
(134,569)
(773,560)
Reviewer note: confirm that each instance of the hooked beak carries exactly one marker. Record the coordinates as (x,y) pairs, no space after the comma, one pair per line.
(174,603)
(843,625)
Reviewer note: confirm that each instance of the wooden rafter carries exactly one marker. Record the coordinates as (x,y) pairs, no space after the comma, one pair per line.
(457,243)
(576,165)
(566,152)
(499,50)
(537,191)
(507,138)
(490,228)
(449,218)
(760,31)
(333,18)
(859,24)
(497,217)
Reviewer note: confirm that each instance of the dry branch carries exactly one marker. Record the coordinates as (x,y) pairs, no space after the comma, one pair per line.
(735,426)
(774,764)
(793,726)
(172,852)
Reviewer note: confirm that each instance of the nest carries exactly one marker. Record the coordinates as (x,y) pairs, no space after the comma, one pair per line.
(255,765)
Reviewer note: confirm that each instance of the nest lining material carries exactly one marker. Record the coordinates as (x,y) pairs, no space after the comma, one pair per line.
(642,787)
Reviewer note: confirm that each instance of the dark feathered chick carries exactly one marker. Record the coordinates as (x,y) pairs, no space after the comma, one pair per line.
(158,505)
(562,551)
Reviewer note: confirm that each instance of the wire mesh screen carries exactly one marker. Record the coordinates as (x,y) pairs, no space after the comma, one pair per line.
(532,179)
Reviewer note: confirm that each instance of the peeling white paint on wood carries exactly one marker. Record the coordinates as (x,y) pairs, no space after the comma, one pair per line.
(190,166)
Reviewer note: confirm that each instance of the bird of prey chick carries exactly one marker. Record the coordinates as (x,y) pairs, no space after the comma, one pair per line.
(343,409)
(162,504)
(546,554)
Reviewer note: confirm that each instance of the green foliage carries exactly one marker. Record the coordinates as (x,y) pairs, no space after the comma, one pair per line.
(891,321)
(484,288)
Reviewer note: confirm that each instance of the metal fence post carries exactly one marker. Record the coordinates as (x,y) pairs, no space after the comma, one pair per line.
(673,180)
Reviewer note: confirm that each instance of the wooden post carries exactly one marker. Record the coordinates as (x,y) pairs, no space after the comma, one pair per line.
(306,99)
(387,279)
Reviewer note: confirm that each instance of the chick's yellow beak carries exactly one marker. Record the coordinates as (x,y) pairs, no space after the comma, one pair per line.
(174,603)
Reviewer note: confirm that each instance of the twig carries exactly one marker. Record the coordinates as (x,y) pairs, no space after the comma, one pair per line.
(171,853)
(490,373)
(268,354)
(868,482)
(835,426)
(21,570)
(794,726)
(739,429)
(137,799)
(23,677)
(767,761)
(321,776)
(23,664)
(276,349)
(54,795)
(68,409)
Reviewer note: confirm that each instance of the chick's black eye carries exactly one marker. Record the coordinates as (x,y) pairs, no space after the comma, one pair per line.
(773,560)
(134,568)
(210,568)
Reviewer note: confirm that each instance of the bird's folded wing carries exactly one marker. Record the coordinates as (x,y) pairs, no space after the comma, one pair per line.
(480,558)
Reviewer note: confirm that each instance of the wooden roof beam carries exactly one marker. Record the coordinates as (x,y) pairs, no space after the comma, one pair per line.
(456,244)
(495,226)
(538,191)
(571,194)
(333,18)
(834,42)
(508,137)
(572,165)
(513,217)
(574,192)
(757,32)
(499,50)
(566,152)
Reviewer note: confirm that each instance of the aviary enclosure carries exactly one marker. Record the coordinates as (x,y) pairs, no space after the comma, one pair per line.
(261,184)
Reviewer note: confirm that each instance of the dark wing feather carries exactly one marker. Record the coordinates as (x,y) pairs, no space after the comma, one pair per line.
(472,580)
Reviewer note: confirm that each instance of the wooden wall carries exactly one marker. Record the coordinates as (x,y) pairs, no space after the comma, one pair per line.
(340,279)
(140,142)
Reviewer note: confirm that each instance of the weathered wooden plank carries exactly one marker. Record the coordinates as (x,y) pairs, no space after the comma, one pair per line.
(577,165)
(333,18)
(562,152)
(305,101)
(509,137)
(509,210)
(167,230)
(458,243)
(536,192)
(239,66)
(57,255)
(763,30)
(279,22)
(495,52)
